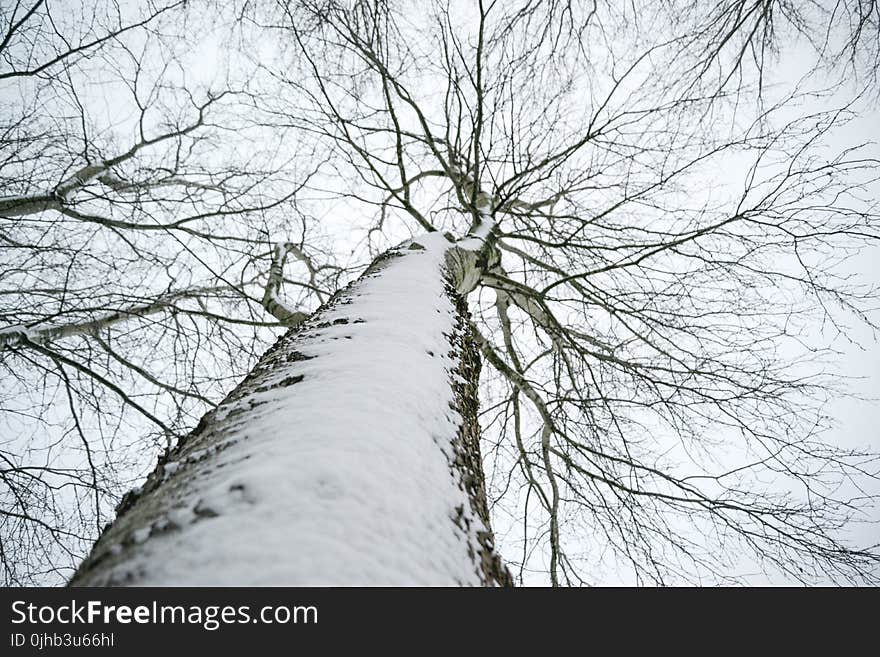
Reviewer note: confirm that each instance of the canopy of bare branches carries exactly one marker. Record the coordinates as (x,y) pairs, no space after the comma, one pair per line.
(667,208)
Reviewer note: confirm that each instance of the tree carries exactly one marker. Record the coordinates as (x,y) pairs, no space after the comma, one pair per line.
(652,385)
(301,480)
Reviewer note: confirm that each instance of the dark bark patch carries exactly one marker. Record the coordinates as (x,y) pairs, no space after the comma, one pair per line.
(467,462)
(336,322)
(283,383)
(291,380)
(203,511)
(128,500)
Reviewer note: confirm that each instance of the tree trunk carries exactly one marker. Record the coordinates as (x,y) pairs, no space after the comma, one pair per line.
(348,456)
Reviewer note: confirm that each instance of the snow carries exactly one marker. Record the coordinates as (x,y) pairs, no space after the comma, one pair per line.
(482,230)
(342,478)
(476,239)
(141,535)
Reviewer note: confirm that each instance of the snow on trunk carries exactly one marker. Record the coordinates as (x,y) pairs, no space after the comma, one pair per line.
(349,456)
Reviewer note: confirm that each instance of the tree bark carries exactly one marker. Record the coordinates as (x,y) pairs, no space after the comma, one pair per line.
(373,485)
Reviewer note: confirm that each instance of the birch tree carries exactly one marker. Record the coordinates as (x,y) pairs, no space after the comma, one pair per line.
(636,222)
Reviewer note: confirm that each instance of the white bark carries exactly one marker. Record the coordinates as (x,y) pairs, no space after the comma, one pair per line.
(15,335)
